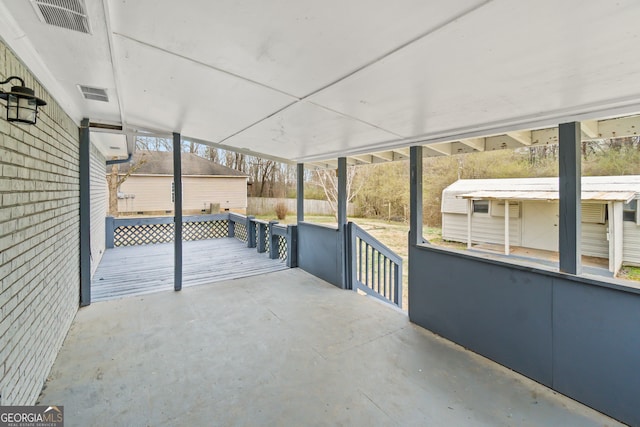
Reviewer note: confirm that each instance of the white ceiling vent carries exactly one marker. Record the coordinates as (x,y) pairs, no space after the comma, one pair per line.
(69,14)
(94,93)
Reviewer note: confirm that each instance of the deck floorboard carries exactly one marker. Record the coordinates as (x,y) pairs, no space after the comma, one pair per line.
(139,270)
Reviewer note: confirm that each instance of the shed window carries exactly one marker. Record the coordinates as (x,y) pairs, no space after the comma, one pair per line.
(629,212)
(481,206)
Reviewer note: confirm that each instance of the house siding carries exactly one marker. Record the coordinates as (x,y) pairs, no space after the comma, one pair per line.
(594,240)
(99,205)
(489,228)
(144,193)
(200,192)
(631,244)
(39,241)
(484,228)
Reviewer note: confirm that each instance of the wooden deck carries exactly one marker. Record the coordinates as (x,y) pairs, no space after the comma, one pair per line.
(137,270)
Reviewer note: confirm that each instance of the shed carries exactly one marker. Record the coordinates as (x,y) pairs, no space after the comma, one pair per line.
(208,187)
(473,211)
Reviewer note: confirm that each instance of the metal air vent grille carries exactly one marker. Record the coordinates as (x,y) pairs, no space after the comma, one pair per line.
(69,14)
(94,93)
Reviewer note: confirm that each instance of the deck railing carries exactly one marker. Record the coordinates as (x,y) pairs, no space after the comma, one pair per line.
(374,268)
(277,241)
(283,243)
(145,231)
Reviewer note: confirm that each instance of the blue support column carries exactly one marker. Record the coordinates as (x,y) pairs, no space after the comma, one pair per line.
(300,193)
(85,214)
(177,207)
(342,192)
(251,232)
(415,195)
(342,222)
(109,230)
(570,198)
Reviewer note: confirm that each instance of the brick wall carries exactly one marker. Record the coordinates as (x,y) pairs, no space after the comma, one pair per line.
(39,241)
(99,204)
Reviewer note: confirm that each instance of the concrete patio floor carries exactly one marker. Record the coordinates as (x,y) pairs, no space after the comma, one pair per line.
(285,349)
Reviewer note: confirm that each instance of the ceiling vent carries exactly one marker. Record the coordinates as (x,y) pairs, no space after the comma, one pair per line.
(69,14)
(94,93)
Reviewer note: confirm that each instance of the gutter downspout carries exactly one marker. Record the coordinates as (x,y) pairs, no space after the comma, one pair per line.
(119,161)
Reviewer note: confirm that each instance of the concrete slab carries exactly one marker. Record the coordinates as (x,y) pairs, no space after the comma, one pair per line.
(285,349)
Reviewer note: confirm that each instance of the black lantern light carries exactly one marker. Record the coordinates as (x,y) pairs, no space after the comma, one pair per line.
(22,104)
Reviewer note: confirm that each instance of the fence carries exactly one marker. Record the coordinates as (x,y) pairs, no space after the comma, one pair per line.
(278,241)
(267,206)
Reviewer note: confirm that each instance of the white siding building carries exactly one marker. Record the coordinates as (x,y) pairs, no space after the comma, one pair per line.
(206,186)
(473,212)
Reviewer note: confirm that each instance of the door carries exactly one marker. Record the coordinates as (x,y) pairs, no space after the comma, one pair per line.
(540,225)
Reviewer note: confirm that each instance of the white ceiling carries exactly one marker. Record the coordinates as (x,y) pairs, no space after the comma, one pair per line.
(305,80)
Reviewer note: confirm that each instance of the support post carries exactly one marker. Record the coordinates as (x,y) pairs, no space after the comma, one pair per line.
(231,228)
(570,197)
(469,222)
(251,231)
(177,207)
(342,222)
(292,246)
(506,227)
(85,214)
(273,243)
(616,236)
(342,192)
(109,231)
(415,195)
(261,244)
(300,193)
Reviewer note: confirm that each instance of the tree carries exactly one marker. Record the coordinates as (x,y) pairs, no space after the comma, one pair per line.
(328,180)
(384,190)
(114,180)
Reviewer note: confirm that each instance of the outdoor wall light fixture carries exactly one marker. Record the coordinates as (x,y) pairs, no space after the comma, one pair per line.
(22,104)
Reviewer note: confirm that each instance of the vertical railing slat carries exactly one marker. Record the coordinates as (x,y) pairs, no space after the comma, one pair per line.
(384,276)
(359,259)
(366,264)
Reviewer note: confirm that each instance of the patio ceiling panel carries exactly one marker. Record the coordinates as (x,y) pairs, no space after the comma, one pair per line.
(309,81)
(539,63)
(170,92)
(295,46)
(305,131)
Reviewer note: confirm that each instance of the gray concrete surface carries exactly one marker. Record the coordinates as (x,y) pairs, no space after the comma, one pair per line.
(283,349)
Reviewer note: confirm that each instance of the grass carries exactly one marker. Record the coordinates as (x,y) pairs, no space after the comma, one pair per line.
(629,273)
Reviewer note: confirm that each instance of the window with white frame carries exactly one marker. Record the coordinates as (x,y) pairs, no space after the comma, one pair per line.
(630,211)
(480,206)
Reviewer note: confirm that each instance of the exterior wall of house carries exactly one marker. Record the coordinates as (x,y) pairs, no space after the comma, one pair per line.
(99,205)
(201,192)
(152,194)
(489,228)
(594,240)
(485,228)
(39,241)
(631,244)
